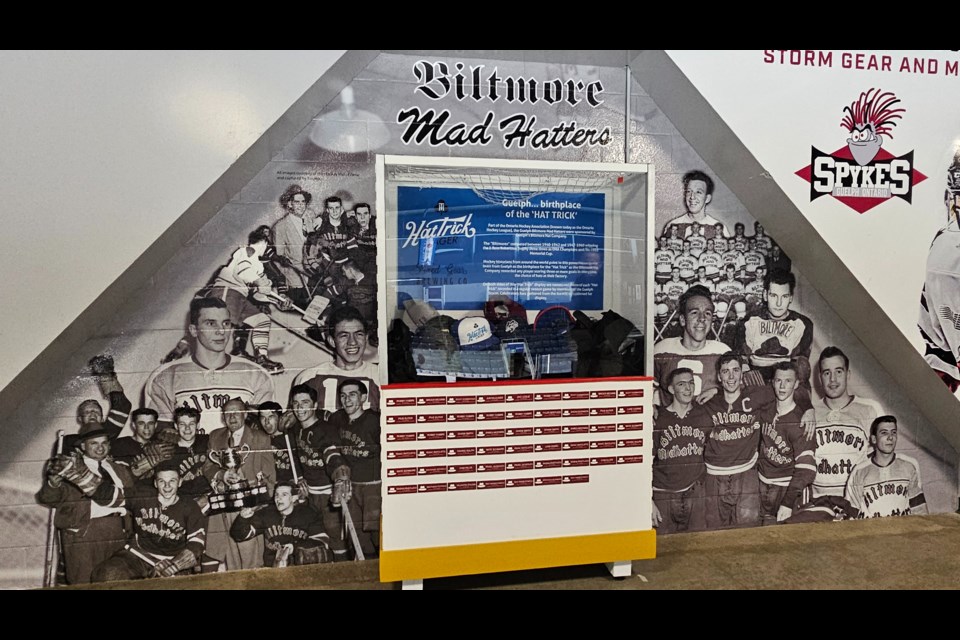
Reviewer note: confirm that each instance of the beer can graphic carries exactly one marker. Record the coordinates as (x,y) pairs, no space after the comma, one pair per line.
(427,246)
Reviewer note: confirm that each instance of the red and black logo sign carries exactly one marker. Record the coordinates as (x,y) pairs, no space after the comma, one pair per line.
(863,174)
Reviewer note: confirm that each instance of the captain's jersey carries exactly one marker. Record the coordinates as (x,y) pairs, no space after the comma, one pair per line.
(670,354)
(843,441)
(734,442)
(939,321)
(326,377)
(318,452)
(893,490)
(186,383)
(767,341)
(166,531)
(678,444)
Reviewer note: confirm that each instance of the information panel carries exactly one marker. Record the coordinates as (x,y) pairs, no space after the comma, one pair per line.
(540,249)
(475,463)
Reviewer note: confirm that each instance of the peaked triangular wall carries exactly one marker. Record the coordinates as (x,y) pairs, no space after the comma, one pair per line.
(142,316)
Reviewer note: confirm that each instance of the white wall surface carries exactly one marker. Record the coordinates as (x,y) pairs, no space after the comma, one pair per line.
(101,151)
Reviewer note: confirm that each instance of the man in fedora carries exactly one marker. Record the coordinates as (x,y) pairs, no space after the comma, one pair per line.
(87,488)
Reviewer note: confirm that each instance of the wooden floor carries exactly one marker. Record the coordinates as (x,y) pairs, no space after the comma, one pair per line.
(918,552)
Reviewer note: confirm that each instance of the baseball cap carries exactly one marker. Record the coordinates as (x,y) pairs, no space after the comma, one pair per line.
(502,306)
(473,333)
(417,313)
(556,318)
(511,327)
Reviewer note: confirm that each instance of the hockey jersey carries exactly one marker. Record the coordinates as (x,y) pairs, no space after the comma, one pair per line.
(670,354)
(359,444)
(301,528)
(678,444)
(939,321)
(893,490)
(186,383)
(843,441)
(166,531)
(767,341)
(787,457)
(326,377)
(734,440)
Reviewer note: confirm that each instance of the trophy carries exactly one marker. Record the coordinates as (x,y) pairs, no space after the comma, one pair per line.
(240,494)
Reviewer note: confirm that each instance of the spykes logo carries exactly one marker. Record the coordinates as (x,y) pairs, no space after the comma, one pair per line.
(863,174)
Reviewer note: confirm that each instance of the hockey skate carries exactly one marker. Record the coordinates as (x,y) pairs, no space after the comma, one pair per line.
(272,367)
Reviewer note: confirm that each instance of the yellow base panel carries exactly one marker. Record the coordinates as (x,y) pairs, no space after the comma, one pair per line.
(492,557)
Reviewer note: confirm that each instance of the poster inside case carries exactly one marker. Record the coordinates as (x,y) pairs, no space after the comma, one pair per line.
(479,256)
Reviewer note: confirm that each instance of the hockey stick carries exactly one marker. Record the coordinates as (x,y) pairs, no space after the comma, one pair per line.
(352,530)
(659,334)
(297,331)
(49,561)
(293,464)
(723,321)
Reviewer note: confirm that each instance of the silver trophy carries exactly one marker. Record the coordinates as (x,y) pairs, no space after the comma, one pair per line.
(238,494)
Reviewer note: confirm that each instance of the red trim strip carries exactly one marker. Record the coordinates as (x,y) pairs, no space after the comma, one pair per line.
(511,383)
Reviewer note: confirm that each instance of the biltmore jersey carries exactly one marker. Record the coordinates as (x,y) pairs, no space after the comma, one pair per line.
(893,490)
(185,383)
(843,441)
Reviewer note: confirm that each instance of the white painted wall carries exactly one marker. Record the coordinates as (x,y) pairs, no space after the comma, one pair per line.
(101,151)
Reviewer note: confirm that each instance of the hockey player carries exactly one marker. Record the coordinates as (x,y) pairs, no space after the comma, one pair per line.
(777,334)
(169,533)
(143,451)
(349,331)
(240,278)
(208,379)
(839,423)
(731,452)
(672,289)
(686,262)
(738,241)
(692,350)
(939,321)
(663,261)
(321,462)
(786,466)
(711,260)
(730,290)
(698,241)
(359,443)
(679,434)
(697,194)
(191,452)
(292,532)
(282,442)
(886,483)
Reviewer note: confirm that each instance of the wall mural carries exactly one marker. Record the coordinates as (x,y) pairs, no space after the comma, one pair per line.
(228,417)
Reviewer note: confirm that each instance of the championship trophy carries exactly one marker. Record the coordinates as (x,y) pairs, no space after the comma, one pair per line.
(241,494)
